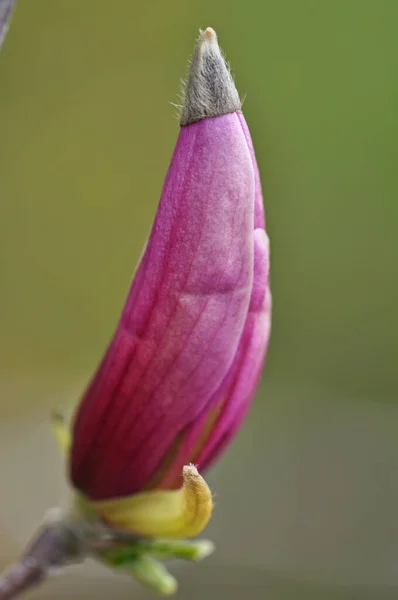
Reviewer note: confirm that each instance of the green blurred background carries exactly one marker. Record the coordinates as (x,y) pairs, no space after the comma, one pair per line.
(308,495)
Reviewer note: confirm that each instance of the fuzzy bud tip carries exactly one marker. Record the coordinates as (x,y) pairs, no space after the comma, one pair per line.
(210,89)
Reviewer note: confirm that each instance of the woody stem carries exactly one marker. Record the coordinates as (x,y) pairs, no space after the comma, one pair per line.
(53,547)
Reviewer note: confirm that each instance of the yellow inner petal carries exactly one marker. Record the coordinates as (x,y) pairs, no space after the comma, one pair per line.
(182,513)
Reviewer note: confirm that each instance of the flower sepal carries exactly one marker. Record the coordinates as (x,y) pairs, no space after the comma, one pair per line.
(143,560)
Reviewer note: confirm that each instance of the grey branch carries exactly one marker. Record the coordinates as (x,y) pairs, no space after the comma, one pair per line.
(57,545)
(6,9)
(53,547)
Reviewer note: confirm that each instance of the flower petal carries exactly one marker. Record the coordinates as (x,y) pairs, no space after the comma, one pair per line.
(259,217)
(248,363)
(183,319)
(208,435)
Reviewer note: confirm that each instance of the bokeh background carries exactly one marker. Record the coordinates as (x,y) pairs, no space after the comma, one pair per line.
(307,496)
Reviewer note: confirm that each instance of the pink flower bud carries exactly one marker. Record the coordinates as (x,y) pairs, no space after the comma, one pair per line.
(183,365)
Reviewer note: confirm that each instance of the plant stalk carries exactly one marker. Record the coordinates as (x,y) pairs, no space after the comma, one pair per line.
(53,547)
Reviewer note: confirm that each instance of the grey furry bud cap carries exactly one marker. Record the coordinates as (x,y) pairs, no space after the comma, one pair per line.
(210,89)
